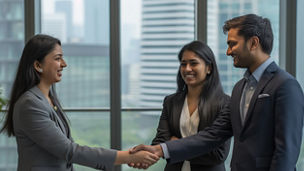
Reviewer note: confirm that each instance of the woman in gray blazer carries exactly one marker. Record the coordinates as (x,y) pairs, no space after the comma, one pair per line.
(36,119)
(194,106)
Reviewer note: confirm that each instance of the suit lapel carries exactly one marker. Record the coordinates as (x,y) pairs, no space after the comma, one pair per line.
(58,120)
(53,115)
(178,104)
(238,95)
(266,77)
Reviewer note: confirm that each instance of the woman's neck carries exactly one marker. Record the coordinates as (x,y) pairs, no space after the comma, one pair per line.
(194,92)
(45,89)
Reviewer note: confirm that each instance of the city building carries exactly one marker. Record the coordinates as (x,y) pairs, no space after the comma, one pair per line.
(166,26)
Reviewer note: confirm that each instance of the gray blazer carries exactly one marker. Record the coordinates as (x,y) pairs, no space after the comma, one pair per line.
(44,142)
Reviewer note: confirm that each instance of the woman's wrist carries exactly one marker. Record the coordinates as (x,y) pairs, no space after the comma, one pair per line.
(122,157)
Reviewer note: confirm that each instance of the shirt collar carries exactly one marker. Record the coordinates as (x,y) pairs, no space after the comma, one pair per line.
(257,74)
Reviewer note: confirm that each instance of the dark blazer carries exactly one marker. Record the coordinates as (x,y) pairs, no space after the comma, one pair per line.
(44,142)
(169,125)
(270,139)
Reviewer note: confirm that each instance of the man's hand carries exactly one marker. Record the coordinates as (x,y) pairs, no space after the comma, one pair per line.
(153,149)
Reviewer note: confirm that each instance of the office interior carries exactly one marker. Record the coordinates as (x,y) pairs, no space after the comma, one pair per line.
(122,59)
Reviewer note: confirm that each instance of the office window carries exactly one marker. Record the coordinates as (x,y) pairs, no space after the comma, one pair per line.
(11,45)
(299,66)
(83,28)
(152,33)
(218,12)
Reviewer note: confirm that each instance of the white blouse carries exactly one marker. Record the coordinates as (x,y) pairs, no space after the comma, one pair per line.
(188,126)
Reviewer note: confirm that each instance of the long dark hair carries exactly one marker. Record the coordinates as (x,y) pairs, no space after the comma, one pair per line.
(212,95)
(27,77)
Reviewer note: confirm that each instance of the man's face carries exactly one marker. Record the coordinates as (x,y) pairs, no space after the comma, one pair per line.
(239,50)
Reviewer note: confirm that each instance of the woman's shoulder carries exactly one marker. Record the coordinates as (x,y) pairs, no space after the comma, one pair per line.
(30,98)
(175,96)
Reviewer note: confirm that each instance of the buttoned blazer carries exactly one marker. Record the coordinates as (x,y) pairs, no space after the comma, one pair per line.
(270,138)
(169,125)
(43,142)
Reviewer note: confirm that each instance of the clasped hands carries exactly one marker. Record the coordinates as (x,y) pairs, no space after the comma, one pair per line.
(150,155)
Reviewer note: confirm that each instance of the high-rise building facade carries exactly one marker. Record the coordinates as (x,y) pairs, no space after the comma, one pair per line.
(167,25)
(96,22)
(65,7)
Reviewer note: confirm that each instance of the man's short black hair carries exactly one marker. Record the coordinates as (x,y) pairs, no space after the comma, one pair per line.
(252,25)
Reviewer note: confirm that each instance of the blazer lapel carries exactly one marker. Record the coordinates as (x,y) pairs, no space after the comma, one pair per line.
(178,104)
(266,77)
(237,101)
(53,115)
(59,122)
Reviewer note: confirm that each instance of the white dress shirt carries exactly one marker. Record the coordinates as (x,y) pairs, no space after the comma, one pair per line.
(188,126)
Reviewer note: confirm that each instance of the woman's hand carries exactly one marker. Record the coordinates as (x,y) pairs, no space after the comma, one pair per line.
(143,159)
(140,159)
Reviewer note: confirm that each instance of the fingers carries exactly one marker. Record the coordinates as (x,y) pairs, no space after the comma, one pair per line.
(143,156)
(140,165)
(143,159)
(154,156)
(131,164)
(137,148)
(150,158)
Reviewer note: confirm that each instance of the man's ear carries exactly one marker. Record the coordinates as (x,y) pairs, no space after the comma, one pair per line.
(254,42)
(37,66)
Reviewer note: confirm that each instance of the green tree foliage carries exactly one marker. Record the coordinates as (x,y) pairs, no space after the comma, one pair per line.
(3,101)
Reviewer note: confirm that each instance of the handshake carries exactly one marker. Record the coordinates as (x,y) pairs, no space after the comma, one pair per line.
(143,156)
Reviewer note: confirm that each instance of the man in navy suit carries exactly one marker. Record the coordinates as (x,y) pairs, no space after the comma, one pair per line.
(265,114)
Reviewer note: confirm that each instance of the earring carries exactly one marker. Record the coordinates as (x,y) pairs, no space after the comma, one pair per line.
(40,70)
(208,72)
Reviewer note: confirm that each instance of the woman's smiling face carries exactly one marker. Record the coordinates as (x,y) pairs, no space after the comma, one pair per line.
(193,69)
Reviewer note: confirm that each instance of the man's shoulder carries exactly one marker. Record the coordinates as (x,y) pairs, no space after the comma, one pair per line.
(281,76)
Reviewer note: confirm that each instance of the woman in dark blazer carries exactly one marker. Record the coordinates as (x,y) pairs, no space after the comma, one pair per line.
(36,119)
(194,106)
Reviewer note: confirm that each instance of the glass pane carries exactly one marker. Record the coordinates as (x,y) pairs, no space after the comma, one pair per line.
(299,66)
(8,155)
(11,45)
(221,10)
(83,28)
(300,164)
(90,129)
(140,128)
(152,32)
(11,41)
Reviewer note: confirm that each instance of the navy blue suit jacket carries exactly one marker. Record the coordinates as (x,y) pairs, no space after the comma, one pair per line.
(271,136)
